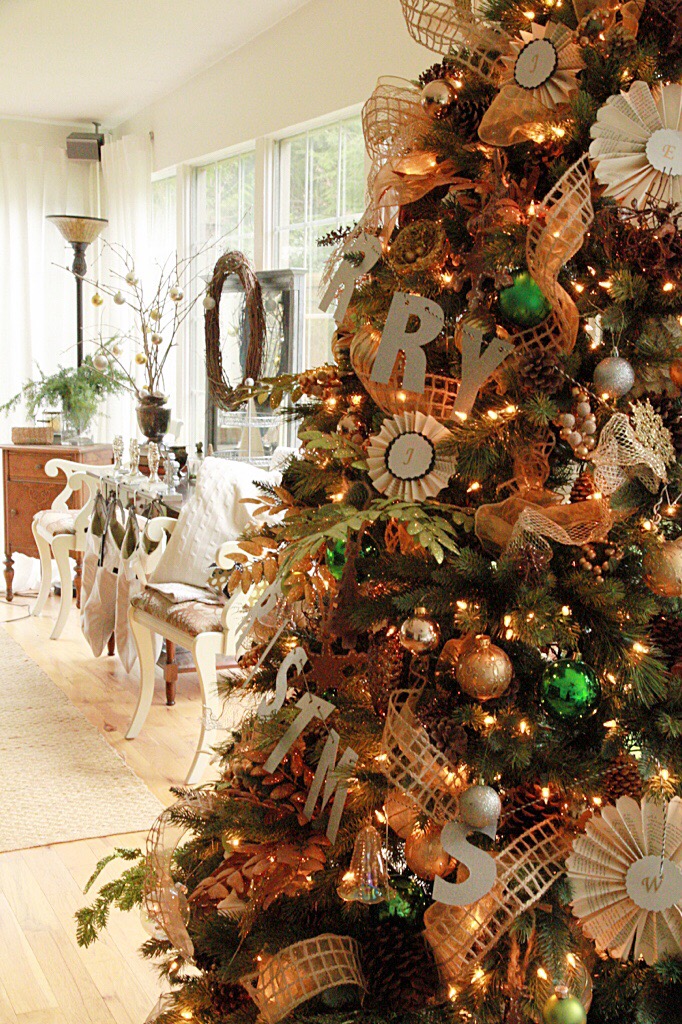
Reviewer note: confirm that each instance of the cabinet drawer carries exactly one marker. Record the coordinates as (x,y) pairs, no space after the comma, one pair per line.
(22,503)
(28,466)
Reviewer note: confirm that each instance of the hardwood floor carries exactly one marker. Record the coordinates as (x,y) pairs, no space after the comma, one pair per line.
(44,977)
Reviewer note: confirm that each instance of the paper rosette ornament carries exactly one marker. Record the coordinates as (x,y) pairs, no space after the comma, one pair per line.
(539,75)
(637,145)
(403,457)
(626,877)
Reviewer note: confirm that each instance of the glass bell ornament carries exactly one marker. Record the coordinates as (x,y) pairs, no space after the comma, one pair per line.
(480,806)
(484,672)
(366,881)
(419,633)
(569,690)
(563,1008)
(613,376)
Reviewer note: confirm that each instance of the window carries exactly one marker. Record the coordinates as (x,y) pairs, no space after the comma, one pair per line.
(320,185)
(223,204)
(163,241)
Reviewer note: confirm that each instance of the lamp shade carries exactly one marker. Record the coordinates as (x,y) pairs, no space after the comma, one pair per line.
(78,229)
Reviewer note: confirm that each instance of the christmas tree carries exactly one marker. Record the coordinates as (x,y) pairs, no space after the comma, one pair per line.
(460,803)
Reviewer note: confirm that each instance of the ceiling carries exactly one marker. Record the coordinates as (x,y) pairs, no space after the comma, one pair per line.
(86,60)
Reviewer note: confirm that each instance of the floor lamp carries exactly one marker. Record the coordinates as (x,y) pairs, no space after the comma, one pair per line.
(79,232)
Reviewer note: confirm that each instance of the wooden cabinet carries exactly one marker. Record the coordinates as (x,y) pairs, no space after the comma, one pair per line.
(27,490)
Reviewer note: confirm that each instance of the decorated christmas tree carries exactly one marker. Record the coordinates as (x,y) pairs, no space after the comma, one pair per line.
(457,798)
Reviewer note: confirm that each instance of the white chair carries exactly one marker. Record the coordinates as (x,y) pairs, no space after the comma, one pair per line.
(60,531)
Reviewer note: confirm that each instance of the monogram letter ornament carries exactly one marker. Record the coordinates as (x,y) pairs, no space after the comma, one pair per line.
(398,336)
(343,282)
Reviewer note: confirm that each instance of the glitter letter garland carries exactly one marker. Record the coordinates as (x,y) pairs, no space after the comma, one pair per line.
(481,866)
(396,339)
(477,368)
(347,274)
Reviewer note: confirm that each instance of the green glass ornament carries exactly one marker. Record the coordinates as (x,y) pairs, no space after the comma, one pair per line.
(569,690)
(523,303)
(336,554)
(562,1008)
(408,900)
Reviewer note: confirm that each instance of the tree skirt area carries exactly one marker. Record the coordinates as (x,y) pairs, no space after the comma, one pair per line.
(59,779)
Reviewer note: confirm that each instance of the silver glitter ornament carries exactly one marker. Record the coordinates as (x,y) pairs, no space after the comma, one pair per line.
(614,377)
(437,97)
(480,806)
(419,633)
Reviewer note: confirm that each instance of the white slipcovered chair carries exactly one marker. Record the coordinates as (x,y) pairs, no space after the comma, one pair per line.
(60,531)
(178,605)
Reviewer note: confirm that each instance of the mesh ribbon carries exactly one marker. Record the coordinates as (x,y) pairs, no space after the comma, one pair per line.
(462,936)
(161,899)
(302,971)
(620,457)
(517,522)
(451,27)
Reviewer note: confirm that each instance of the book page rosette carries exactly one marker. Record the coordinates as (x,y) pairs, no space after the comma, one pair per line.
(461,936)
(637,145)
(539,75)
(302,971)
(414,765)
(403,457)
(626,877)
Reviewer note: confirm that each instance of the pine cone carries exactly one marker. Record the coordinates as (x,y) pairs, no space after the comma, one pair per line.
(583,488)
(226,997)
(434,72)
(670,411)
(525,806)
(622,778)
(386,665)
(399,968)
(619,43)
(666,633)
(448,737)
(465,115)
(540,373)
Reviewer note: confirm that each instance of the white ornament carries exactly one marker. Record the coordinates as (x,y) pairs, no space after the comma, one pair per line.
(477,368)
(176,294)
(403,459)
(626,877)
(343,282)
(396,338)
(208,302)
(100,361)
(637,145)
(119,299)
(131,278)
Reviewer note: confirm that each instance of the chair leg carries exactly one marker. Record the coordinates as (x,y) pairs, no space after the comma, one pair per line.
(60,549)
(144,642)
(45,555)
(205,651)
(170,673)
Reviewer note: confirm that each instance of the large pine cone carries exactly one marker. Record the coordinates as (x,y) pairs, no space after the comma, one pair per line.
(226,997)
(399,967)
(446,735)
(622,778)
(525,806)
(540,373)
(466,115)
(583,488)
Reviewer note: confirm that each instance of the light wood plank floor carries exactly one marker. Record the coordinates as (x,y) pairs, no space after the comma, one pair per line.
(44,977)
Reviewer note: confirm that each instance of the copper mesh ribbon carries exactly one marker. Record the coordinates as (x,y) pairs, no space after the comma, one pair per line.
(302,971)
(462,936)
(161,899)
(518,523)
(620,456)
(451,27)
(412,763)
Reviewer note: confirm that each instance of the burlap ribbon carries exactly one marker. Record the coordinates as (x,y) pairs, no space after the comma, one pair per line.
(451,27)
(519,522)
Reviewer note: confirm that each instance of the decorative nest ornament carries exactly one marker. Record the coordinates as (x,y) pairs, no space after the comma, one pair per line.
(419,247)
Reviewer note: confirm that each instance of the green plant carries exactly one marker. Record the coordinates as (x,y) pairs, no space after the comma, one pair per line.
(77,391)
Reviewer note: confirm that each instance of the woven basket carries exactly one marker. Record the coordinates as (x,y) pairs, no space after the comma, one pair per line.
(302,971)
(32,435)
(461,936)
(439,395)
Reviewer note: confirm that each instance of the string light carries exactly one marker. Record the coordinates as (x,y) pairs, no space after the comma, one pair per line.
(489,720)
(606,285)
(566,611)
(545,793)
(580,288)
(542,974)
(186,1014)
(452,993)
(665,774)
(460,415)
(462,605)
(668,286)
(571,960)
(478,975)
(597,801)
(639,648)
(380,816)
(523,727)
(475,486)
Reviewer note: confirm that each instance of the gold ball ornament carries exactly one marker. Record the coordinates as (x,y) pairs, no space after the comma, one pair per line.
(97,299)
(419,634)
(176,294)
(117,350)
(155,314)
(157,339)
(119,299)
(208,302)
(140,359)
(131,278)
(675,371)
(424,853)
(485,671)
(662,569)
(401,813)
(437,97)
(100,361)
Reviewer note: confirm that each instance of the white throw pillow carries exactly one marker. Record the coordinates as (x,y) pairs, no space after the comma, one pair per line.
(214,514)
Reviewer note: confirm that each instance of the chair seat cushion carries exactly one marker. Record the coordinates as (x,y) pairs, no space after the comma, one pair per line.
(53,522)
(191,617)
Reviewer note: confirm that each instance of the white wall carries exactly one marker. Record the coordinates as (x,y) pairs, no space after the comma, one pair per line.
(325,57)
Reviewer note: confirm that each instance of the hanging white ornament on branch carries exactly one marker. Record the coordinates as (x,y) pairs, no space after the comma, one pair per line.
(403,457)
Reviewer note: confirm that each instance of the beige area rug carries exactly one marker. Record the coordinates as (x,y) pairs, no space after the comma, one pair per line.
(59,779)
